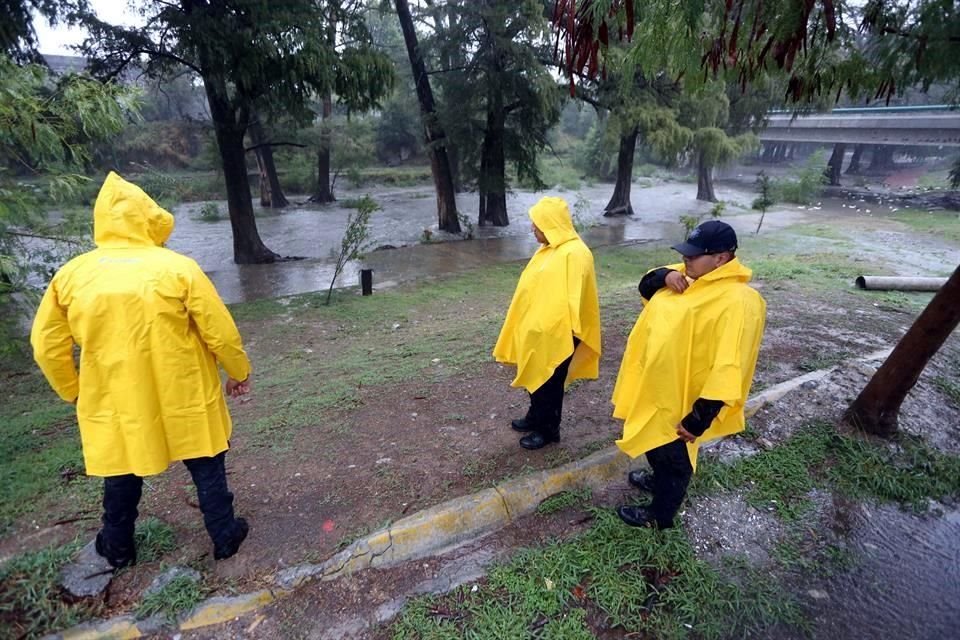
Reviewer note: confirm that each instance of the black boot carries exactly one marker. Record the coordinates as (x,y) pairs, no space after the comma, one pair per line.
(118,557)
(522,425)
(230,546)
(641,517)
(537,440)
(642,480)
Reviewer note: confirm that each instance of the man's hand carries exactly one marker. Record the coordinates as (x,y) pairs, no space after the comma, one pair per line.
(237,388)
(685,435)
(676,281)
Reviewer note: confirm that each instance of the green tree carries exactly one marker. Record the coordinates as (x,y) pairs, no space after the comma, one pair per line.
(250,54)
(46,127)
(501,100)
(706,112)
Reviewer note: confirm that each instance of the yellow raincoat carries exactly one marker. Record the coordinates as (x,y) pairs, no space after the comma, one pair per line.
(701,343)
(151,330)
(556,299)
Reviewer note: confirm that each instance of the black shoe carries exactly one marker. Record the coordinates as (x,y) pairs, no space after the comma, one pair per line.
(521,425)
(229,548)
(640,517)
(642,480)
(537,440)
(118,558)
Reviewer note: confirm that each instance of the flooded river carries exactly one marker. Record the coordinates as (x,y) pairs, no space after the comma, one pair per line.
(312,232)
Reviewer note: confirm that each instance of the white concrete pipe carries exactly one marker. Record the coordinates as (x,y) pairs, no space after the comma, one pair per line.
(893,283)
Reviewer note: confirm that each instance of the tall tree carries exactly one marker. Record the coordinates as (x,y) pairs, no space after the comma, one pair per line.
(503,97)
(246,52)
(707,113)
(436,139)
(271,193)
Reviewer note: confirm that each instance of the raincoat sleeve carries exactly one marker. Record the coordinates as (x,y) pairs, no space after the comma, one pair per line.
(216,325)
(53,343)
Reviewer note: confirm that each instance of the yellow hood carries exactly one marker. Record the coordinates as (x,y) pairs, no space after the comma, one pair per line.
(125,216)
(552,217)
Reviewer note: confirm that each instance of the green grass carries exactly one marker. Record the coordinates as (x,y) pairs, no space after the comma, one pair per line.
(457,322)
(636,581)
(154,539)
(181,594)
(949,388)
(943,224)
(30,600)
(564,500)
(780,479)
(40,446)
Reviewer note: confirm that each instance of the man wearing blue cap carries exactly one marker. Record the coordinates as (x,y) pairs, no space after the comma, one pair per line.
(687,367)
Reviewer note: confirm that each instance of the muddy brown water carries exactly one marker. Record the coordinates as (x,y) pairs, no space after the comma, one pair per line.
(312,232)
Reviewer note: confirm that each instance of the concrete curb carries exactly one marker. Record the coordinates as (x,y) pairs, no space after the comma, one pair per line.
(425,533)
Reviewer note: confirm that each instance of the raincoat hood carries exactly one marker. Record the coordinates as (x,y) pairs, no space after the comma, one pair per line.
(552,217)
(125,216)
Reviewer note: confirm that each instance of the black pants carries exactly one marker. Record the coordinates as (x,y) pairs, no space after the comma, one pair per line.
(671,476)
(546,403)
(121,496)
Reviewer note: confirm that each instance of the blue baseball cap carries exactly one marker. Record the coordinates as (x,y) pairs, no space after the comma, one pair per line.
(712,236)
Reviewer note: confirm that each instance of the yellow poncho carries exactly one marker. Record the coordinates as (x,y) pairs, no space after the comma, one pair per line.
(151,330)
(701,343)
(556,299)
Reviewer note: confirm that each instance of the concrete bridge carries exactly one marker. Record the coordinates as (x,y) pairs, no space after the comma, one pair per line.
(934,125)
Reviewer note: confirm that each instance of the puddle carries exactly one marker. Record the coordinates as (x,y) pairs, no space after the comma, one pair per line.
(905,582)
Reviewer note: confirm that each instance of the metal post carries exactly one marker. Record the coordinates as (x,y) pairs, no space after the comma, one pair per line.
(366,281)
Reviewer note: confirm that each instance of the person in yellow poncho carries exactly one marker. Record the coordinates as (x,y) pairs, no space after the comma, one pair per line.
(151,331)
(552,329)
(687,367)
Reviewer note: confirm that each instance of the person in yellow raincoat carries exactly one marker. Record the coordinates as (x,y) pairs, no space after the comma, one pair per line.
(687,367)
(151,331)
(552,329)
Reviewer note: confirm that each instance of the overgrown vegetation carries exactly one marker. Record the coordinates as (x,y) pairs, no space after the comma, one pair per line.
(179,595)
(355,241)
(804,183)
(781,479)
(30,600)
(612,577)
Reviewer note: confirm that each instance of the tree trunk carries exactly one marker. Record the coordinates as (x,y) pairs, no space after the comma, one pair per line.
(882,159)
(704,179)
(835,165)
(854,167)
(619,204)
(271,193)
(229,128)
(493,165)
(876,408)
(435,138)
(324,192)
